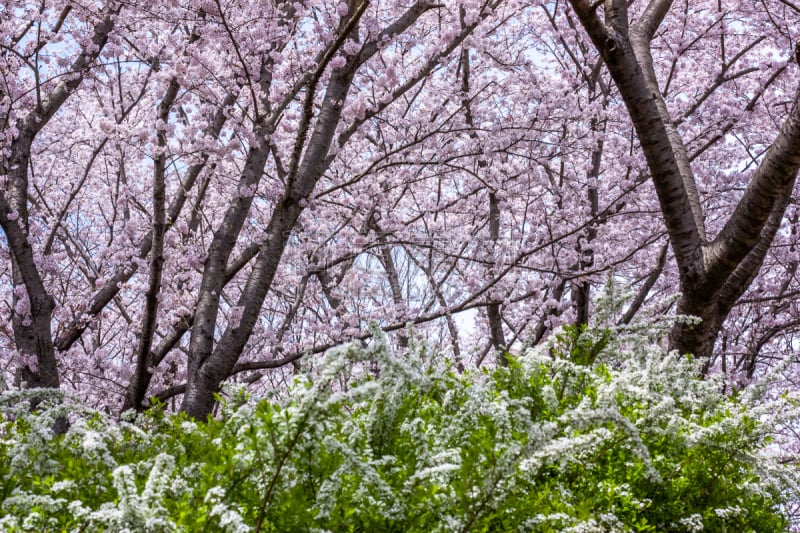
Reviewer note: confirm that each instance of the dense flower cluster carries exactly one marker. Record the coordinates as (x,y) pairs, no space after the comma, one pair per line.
(599,430)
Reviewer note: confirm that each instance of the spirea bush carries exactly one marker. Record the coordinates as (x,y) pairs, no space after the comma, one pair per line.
(599,430)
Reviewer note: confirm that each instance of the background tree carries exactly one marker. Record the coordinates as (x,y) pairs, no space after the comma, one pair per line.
(713,271)
(218,192)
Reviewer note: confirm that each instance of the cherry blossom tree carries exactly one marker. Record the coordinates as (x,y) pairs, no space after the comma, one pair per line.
(713,271)
(221,190)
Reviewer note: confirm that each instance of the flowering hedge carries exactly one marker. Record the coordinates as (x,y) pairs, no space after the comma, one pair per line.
(600,430)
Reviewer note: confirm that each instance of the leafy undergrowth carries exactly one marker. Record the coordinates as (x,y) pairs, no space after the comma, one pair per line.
(600,430)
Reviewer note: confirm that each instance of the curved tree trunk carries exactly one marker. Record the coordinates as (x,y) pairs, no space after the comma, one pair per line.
(713,273)
(33,304)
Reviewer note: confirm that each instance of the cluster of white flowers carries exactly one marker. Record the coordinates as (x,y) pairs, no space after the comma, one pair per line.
(134,511)
(230,519)
(693,523)
(414,434)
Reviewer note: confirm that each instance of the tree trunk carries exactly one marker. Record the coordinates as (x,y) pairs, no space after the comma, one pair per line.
(713,273)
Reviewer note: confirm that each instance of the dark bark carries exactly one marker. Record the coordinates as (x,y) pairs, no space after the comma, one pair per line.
(209,365)
(32,328)
(73,331)
(713,274)
(494,314)
(389,266)
(649,282)
(137,388)
(581,290)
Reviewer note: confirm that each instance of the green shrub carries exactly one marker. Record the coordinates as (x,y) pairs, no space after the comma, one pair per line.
(600,430)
